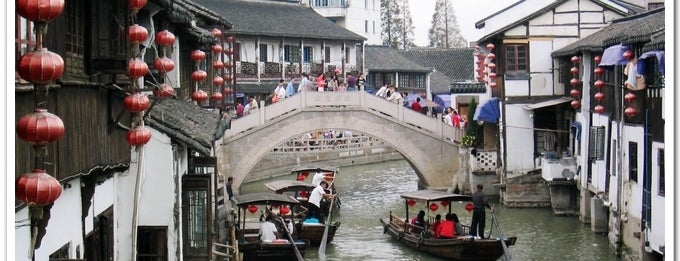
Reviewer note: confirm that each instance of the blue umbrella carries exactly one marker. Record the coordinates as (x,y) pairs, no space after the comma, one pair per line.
(488,111)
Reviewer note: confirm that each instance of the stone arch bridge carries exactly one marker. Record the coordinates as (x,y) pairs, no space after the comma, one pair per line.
(426,143)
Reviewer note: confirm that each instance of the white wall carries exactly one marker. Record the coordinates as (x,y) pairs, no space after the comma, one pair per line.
(516,88)
(599,167)
(519,138)
(633,201)
(658,230)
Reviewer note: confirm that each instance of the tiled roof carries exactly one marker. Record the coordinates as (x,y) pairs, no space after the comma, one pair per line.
(278,19)
(630,30)
(468,87)
(658,42)
(384,58)
(455,63)
(185,122)
(185,11)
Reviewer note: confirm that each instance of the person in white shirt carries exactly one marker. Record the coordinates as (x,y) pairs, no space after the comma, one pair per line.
(395,96)
(318,177)
(315,198)
(268,231)
(280,90)
(382,92)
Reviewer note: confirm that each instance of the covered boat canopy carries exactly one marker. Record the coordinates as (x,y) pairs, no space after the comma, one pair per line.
(432,195)
(288,185)
(314,169)
(263,198)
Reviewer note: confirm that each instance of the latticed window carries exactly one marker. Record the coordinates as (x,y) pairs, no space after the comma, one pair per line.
(633,161)
(152,243)
(308,53)
(263,53)
(327,54)
(596,144)
(403,80)
(291,53)
(516,58)
(662,171)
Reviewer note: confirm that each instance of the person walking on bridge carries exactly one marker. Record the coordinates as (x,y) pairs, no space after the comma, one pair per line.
(479,213)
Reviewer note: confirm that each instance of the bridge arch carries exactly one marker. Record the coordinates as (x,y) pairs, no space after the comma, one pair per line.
(422,142)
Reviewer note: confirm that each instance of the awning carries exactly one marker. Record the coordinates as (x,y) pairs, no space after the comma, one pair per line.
(642,61)
(547,103)
(488,111)
(443,100)
(576,129)
(614,56)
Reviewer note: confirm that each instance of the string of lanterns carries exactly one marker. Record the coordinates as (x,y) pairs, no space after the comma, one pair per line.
(486,66)
(199,96)
(228,72)
(136,102)
(630,110)
(164,39)
(218,81)
(40,67)
(575,82)
(599,83)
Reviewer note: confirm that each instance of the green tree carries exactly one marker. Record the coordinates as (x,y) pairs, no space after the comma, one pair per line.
(444,31)
(397,25)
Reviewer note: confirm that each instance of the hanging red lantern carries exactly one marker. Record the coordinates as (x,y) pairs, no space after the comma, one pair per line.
(228,51)
(630,112)
(252,209)
(411,202)
(599,84)
(491,56)
(490,46)
(216,96)
(433,207)
(137,34)
(37,188)
(300,177)
(469,207)
(575,104)
(164,91)
(165,38)
(216,32)
(138,136)
(574,70)
(136,5)
(40,128)
(574,82)
(218,81)
(41,66)
(575,59)
(284,210)
(216,48)
(575,93)
(599,96)
(136,102)
(228,65)
(163,64)
(491,66)
(492,76)
(217,64)
(199,96)
(228,91)
(228,78)
(197,55)
(599,71)
(628,55)
(444,203)
(629,97)
(137,68)
(230,38)
(599,109)
(597,59)
(199,75)
(304,194)
(493,85)
(39,10)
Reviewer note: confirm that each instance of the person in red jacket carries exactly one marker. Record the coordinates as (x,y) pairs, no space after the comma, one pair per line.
(416,105)
(447,229)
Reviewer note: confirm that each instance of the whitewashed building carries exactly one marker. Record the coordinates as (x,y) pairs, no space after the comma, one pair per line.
(359,16)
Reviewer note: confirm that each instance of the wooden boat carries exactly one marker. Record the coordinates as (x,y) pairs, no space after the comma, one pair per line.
(248,227)
(462,248)
(307,173)
(303,230)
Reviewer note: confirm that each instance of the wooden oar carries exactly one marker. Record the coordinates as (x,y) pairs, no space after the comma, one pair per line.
(324,239)
(292,241)
(506,252)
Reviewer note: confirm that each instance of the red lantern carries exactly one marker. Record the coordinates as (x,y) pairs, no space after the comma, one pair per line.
(599,109)
(217,64)
(491,56)
(469,207)
(137,34)
(575,104)
(216,32)
(434,207)
(411,202)
(599,71)
(41,66)
(493,85)
(230,38)
(300,177)
(629,97)
(199,96)
(165,38)
(628,55)
(444,203)
(37,188)
(328,178)
(164,91)
(197,56)
(228,91)
(492,76)
(575,59)
(574,70)
(304,194)
(164,64)
(228,51)
(490,46)
(136,102)
(491,66)
(597,59)
(630,112)
(40,128)
(199,75)
(137,68)
(252,209)
(135,5)
(40,10)
(228,78)
(216,48)
(599,96)
(599,84)
(138,136)
(216,96)
(284,210)
(575,93)
(574,82)
(217,81)
(228,65)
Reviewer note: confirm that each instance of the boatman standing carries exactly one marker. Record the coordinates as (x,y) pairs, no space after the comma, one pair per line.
(315,201)
(479,213)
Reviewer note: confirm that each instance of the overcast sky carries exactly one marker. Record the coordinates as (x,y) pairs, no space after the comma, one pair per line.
(468,12)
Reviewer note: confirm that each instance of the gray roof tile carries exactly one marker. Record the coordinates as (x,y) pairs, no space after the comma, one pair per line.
(384,58)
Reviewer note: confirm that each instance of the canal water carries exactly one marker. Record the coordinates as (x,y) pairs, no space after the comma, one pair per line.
(369,192)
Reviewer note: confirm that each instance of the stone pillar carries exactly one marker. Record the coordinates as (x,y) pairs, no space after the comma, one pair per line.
(598,218)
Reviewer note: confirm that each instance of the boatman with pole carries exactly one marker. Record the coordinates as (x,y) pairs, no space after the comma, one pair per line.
(479,213)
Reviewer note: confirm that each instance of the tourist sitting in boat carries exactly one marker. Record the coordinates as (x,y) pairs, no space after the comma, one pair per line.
(447,229)
(436,223)
(268,230)
(418,221)
(460,231)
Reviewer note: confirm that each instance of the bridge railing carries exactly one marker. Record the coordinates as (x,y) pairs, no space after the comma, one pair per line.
(342,101)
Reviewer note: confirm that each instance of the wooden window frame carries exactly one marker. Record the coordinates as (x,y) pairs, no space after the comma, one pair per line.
(633,161)
(157,243)
(515,58)
(327,54)
(596,143)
